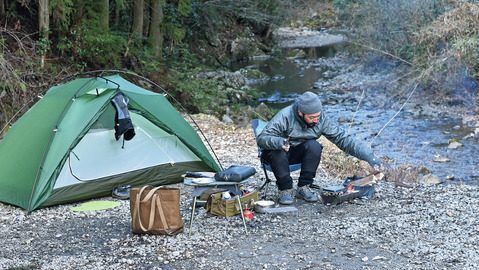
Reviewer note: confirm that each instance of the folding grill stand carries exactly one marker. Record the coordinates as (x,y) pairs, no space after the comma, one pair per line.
(198,189)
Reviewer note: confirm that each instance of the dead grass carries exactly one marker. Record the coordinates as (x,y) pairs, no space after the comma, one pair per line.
(452,37)
(462,21)
(339,164)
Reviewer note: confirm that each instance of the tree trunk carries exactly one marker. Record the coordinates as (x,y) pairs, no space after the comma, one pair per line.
(155,37)
(43,27)
(146,18)
(43,17)
(117,14)
(2,9)
(137,28)
(104,14)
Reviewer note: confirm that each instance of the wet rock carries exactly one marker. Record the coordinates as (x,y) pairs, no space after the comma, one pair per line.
(342,119)
(321,84)
(441,159)
(430,179)
(276,97)
(454,145)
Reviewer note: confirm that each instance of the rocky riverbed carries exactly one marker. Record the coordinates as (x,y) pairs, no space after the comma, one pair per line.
(415,227)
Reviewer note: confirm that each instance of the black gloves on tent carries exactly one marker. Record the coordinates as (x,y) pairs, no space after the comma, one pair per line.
(123,124)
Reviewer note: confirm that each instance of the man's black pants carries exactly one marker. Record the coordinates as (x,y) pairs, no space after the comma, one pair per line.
(308,154)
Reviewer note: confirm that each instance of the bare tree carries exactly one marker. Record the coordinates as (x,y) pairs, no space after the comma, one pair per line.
(104,14)
(119,6)
(146,17)
(137,28)
(43,27)
(155,37)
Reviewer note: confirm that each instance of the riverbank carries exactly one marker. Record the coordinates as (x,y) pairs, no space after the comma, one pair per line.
(423,227)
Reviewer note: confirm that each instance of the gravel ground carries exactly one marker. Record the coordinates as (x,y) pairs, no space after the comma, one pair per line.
(423,227)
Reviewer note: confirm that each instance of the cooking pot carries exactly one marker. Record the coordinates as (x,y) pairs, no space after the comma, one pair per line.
(259,206)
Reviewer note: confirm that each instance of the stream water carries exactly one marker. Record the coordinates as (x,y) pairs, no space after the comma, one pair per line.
(409,139)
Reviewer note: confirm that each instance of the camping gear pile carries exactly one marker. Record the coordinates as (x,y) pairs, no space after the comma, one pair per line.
(224,192)
(226,205)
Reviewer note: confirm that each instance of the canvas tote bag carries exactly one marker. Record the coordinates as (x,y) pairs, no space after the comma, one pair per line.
(155,210)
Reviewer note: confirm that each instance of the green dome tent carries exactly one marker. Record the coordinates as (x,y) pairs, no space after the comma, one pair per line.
(64,148)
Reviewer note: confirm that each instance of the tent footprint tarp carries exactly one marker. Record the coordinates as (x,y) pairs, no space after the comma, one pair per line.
(64,148)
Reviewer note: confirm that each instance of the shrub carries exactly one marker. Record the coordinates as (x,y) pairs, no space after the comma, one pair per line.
(94,47)
(391,25)
(198,94)
(455,34)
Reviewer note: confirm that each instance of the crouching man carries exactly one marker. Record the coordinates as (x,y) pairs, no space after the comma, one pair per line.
(291,138)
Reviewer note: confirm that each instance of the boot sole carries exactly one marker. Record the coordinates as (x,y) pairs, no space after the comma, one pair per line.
(287,202)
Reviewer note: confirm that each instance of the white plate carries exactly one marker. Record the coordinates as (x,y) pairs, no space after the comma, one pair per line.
(202,180)
(200,175)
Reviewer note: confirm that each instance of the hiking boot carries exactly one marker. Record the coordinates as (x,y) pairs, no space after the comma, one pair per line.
(306,194)
(121,192)
(286,197)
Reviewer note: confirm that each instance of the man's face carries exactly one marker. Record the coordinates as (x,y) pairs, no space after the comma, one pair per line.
(310,119)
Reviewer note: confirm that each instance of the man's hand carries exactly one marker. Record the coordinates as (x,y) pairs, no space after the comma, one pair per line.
(285,145)
(376,165)
(378,168)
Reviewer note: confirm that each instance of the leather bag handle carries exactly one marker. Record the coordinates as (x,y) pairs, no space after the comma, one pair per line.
(155,204)
(162,214)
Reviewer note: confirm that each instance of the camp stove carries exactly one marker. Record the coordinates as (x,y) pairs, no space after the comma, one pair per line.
(352,188)
(338,194)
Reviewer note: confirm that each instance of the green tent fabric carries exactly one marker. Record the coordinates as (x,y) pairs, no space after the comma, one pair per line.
(63,149)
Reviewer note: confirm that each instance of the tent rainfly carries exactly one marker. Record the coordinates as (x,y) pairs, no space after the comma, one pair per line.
(64,149)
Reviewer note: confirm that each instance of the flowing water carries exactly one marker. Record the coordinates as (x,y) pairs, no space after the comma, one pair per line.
(411,138)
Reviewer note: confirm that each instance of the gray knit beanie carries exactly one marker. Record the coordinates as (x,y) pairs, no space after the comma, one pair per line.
(309,103)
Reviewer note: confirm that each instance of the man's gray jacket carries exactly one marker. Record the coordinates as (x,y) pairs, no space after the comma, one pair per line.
(288,124)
